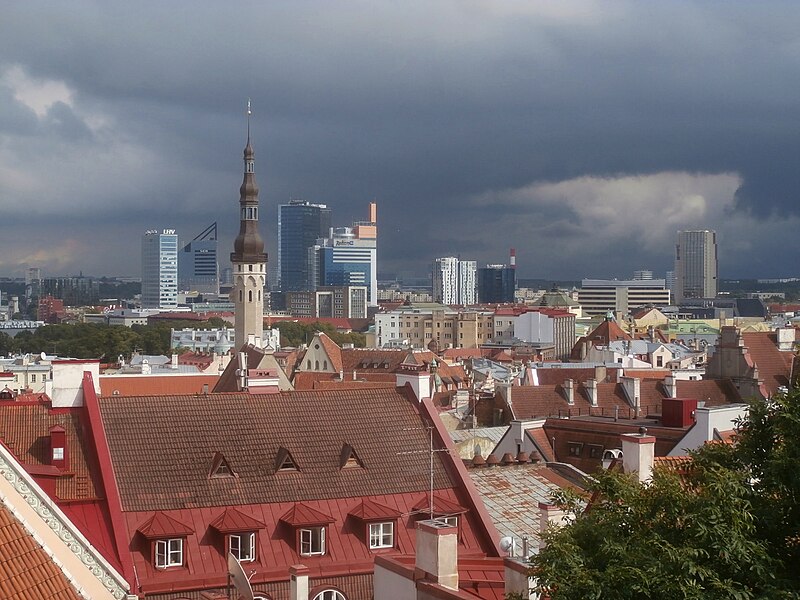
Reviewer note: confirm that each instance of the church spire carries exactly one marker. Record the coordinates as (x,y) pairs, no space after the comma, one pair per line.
(248,256)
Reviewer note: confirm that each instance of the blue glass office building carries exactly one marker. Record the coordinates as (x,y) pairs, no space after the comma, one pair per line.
(300,225)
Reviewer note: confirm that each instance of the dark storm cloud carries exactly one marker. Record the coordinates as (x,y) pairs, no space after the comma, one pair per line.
(452,115)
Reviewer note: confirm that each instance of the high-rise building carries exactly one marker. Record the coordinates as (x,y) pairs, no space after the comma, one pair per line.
(300,225)
(160,269)
(642,275)
(198,268)
(248,258)
(455,281)
(347,257)
(696,266)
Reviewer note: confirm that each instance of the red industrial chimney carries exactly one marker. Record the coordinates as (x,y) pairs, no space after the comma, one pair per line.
(513,258)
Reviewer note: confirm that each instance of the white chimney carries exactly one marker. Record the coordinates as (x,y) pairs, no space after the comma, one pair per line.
(419,379)
(569,390)
(632,386)
(638,454)
(437,552)
(549,515)
(591,388)
(517,580)
(174,361)
(298,586)
(672,386)
(786,338)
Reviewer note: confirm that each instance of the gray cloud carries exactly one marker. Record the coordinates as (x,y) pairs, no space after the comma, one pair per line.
(118,117)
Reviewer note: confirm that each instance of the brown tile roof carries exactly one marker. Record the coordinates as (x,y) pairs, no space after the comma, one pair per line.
(367,359)
(333,351)
(160,450)
(774,366)
(714,392)
(543,445)
(155,385)
(24,429)
(27,572)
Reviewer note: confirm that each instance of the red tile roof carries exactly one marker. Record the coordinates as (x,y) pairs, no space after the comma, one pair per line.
(24,429)
(27,571)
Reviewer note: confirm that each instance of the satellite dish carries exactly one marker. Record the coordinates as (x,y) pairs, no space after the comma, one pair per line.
(507,544)
(43,355)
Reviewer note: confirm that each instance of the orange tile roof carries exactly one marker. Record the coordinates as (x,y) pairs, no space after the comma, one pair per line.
(155,385)
(333,351)
(772,364)
(27,572)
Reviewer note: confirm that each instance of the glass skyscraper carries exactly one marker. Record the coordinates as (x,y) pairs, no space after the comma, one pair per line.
(160,269)
(300,225)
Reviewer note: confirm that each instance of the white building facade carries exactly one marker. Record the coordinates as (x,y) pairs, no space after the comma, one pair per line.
(160,269)
(455,281)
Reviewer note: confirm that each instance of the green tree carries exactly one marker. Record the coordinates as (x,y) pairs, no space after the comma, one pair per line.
(729,528)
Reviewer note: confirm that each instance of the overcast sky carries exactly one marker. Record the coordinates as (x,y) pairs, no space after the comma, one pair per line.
(585,134)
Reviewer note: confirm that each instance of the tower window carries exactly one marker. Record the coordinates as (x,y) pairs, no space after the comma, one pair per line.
(249,295)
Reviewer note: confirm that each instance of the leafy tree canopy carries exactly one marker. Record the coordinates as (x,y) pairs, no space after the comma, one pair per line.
(729,528)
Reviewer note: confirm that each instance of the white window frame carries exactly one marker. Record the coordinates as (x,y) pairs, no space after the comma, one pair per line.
(169,553)
(381,535)
(242,546)
(311,544)
(329,595)
(452,520)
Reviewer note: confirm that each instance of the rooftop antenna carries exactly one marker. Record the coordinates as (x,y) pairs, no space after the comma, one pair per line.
(431,451)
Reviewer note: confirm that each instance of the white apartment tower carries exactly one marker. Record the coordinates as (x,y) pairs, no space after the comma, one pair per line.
(160,269)
(696,267)
(455,281)
(248,258)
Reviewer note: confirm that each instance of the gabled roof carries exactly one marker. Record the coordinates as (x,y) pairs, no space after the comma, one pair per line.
(256,358)
(232,521)
(302,514)
(774,366)
(332,349)
(369,510)
(161,526)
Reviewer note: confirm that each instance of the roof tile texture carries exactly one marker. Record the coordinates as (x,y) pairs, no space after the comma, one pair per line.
(162,450)
(26,571)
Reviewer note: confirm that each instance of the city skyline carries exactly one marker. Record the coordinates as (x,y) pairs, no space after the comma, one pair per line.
(584,135)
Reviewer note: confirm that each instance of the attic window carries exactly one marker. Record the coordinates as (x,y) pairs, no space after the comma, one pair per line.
(220,467)
(348,458)
(284,461)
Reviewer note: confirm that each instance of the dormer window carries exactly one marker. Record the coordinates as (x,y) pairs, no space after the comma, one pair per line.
(312,541)
(220,467)
(381,535)
(242,546)
(169,553)
(284,462)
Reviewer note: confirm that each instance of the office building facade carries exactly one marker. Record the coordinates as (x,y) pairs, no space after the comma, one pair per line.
(496,284)
(696,265)
(300,225)
(454,281)
(598,297)
(160,269)
(347,257)
(198,267)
